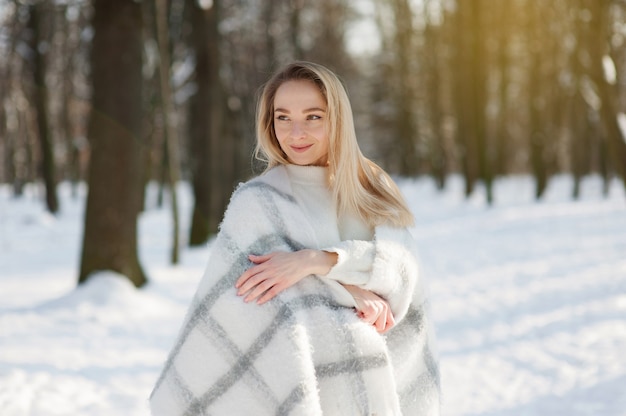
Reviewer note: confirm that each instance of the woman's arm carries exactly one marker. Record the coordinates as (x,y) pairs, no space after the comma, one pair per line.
(386,266)
(274,272)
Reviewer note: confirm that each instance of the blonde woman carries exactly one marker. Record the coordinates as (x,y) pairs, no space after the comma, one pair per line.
(311,303)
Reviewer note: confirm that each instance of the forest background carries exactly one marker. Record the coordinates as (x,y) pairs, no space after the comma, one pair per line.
(120,93)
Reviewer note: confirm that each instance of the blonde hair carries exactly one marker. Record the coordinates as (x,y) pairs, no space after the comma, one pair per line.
(359,185)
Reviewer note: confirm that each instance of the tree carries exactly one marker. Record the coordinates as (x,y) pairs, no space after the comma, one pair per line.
(503,67)
(466,86)
(114,178)
(40,99)
(537,105)
(171,135)
(204,124)
(598,51)
(406,125)
(437,156)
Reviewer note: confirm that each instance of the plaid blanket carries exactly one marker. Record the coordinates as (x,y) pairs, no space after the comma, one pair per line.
(305,352)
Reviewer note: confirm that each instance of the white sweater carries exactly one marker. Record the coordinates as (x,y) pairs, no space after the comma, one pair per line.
(347,236)
(305,352)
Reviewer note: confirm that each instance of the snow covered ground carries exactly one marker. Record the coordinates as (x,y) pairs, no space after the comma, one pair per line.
(529,300)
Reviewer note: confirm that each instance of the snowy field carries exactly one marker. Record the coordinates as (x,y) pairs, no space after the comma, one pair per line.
(529,300)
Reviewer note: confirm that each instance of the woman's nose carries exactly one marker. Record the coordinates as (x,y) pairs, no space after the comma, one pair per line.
(297,130)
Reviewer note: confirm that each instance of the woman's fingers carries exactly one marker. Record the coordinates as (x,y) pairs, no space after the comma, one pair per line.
(381,321)
(258,290)
(270,293)
(271,274)
(381,318)
(260,259)
(372,309)
(252,277)
(390,321)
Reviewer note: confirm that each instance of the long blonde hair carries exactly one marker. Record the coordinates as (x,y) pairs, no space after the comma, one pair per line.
(359,185)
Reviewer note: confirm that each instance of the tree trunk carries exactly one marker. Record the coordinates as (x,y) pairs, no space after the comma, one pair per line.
(115,179)
(536,105)
(436,147)
(579,137)
(269,54)
(463,78)
(405,126)
(295,27)
(598,48)
(171,136)
(502,154)
(40,98)
(205,107)
(15,166)
(479,96)
(71,163)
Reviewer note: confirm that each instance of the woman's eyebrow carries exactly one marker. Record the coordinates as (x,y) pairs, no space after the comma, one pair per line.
(308,110)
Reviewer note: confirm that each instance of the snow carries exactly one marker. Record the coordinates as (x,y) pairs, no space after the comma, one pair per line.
(529,300)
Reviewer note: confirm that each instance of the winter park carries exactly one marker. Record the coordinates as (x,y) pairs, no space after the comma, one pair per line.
(125,128)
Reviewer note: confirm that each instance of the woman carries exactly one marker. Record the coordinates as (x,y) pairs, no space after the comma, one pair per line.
(311,303)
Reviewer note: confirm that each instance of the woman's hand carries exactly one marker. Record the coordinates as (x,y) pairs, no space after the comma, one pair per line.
(372,309)
(275,272)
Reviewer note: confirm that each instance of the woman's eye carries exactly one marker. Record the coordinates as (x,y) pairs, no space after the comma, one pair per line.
(314,117)
(282,118)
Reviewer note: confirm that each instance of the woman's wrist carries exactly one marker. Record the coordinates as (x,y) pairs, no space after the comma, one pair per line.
(322,261)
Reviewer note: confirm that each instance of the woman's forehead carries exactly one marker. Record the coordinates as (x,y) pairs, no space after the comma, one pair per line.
(299,95)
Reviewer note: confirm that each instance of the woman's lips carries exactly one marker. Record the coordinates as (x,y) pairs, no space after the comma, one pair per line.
(300,149)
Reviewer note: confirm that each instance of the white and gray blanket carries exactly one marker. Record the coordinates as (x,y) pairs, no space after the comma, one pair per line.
(305,352)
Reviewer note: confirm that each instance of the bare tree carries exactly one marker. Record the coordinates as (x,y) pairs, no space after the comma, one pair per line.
(406,130)
(115,171)
(207,156)
(431,61)
(39,45)
(465,40)
(171,134)
(598,50)
(537,104)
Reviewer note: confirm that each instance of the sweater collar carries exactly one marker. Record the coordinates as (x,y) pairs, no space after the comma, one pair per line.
(308,175)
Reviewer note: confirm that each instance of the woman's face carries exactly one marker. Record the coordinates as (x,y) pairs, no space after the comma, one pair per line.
(300,123)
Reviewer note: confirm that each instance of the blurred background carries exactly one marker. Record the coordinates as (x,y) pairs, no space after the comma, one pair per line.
(120,93)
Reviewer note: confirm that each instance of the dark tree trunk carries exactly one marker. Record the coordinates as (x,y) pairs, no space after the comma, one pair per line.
(464,102)
(270,43)
(431,61)
(478,87)
(205,153)
(40,99)
(295,23)
(170,125)
(15,171)
(579,141)
(72,164)
(597,48)
(115,171)
(406,125)
(502,155)
(536,104)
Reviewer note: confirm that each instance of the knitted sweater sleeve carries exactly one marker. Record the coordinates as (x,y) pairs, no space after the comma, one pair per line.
(354,262)
(387,266)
